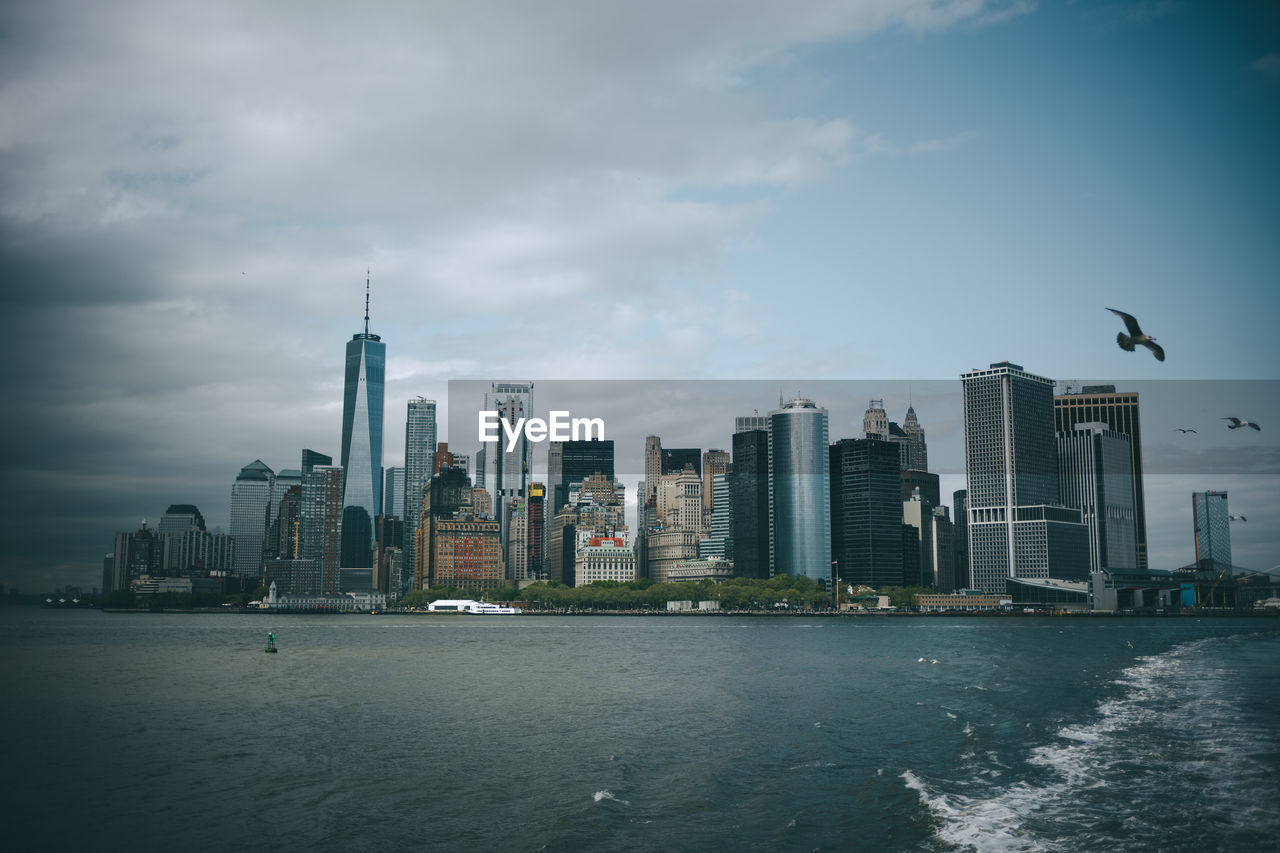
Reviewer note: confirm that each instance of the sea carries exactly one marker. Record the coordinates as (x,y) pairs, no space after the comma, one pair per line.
(663,733)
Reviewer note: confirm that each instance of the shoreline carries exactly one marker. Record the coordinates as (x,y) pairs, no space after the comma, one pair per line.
(1198,614)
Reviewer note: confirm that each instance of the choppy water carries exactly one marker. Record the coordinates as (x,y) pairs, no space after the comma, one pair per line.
(164,732)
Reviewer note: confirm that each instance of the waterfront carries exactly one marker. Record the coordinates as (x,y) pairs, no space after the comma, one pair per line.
(152,731)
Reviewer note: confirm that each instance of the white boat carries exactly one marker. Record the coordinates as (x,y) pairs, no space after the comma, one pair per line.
(466,605)
(485,608)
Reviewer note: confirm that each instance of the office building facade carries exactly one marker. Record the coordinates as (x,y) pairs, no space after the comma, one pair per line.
(799,491)
(362,413)
(749,496)
(866,512)
(250,514)
(1120,412)
(1213,531)
(420,448)
(1016,527)
(1095,477)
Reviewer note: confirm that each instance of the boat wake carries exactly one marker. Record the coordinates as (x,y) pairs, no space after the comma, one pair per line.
(1176,737)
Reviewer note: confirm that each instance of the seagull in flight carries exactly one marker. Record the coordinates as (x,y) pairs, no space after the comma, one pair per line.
(1184,431)
(1237,518)
(1236,423)
(1135,336)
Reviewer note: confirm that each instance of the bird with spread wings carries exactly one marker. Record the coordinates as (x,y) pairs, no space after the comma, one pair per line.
(1136,336)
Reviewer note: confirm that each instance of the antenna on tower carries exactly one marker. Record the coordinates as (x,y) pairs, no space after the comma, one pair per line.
(366,301)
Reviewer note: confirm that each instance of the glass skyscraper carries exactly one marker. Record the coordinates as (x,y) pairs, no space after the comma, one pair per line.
(363,393)
(1213,530)
(1119,411)
(749,496)
(1096,478)
(866,512)
(799,491)
(250,515)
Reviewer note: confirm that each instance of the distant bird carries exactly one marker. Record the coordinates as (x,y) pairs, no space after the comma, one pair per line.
(1236,423)
(1237,518)
(1180,429)
(1135,336)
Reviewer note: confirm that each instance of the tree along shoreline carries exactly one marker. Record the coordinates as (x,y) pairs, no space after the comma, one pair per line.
(779,593)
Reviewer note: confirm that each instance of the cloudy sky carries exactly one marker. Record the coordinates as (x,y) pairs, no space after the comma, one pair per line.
(191,193)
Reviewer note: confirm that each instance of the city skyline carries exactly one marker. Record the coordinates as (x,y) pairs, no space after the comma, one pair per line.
(713,205)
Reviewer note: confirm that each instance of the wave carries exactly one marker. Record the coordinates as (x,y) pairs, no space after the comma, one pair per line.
(1173,758)
(608,795)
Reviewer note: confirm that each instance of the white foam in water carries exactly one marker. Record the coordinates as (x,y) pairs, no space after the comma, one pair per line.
(608,795)
(1182,690)
(974,824)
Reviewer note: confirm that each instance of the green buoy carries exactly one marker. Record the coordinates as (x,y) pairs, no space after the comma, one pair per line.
(271,644)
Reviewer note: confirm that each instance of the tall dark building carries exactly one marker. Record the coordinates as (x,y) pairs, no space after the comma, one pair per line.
(749,495)
(362,411)
(866,512)
(1119,411)
(284,534)
(537,526)
(960,542)
(578,461)
(927,483)
(911,556)
(179,518)
(675,458)
(311,459)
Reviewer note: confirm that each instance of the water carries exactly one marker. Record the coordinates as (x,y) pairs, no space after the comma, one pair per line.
(158,732)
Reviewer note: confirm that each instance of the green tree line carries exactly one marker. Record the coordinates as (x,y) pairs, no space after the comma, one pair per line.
(778,593)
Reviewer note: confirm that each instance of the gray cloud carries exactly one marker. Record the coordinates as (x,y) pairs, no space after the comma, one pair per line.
(190,194)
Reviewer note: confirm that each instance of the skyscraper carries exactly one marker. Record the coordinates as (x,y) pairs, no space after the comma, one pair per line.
(917,449)
(799,491)
(420,447)
(1016,527)
(1119,411)
(652,462)
(506,472)
(713,462)
(362,399)
(866,512)
(250,514)
(875,421)
(960,512)
(674,459)
(1096,479)
(749,496)
(1213,531)
(720,523)
(393,497)
(537,536)
(574,462)
(311,458)
(180,518)
(320,521)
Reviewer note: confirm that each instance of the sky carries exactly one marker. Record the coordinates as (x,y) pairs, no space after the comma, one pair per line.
(192,196)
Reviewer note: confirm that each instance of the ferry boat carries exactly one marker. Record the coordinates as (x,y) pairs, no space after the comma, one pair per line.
(485,608)
(466,605)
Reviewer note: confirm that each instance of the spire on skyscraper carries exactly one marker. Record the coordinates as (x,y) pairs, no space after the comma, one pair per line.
(366,301)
